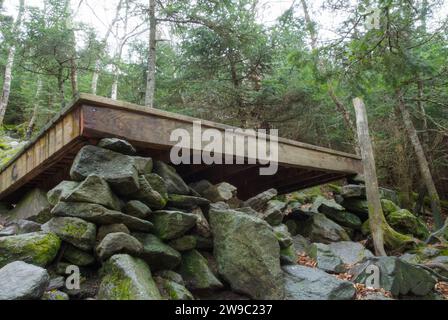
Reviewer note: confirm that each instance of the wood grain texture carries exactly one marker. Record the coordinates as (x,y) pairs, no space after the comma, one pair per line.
(45,161)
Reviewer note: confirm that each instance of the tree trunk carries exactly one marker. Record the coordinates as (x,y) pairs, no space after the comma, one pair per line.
(382,233)
(151,76)
(61,85)
(96,72)
(31,124)
(4,99)
(73,55)
(422,162)
(376,215)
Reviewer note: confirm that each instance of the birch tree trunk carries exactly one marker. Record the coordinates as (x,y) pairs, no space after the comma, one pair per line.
(422,162)
(6,90)
(73,55)
(31,124)
(151,76)
(96,72)
(382,234)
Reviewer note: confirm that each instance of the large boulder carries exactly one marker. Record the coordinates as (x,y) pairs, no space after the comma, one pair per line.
(76,231)
(117,169)
(115,243)
(37,248)
(241,242)
(321,229)
(33,206)
(22,281)
(196,272)
(158,255)
(172,224)
(127,278)
(350,252)
(98,214)
(405,222)
(303,283)
(117,145)
(93,189)
(396,276)
(174,183)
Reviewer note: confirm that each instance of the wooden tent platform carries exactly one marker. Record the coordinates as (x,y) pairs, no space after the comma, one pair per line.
(46,160)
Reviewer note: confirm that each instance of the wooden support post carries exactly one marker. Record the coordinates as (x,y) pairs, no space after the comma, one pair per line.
(376,216)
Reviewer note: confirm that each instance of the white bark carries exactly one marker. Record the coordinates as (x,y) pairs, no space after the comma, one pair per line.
(4,99)
(151,76)
(31,124)
(98,62)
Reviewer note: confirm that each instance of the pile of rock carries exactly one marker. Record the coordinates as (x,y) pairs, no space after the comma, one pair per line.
(136,231)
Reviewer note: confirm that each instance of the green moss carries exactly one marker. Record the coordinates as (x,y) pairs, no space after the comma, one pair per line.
(74,229)
(36,248)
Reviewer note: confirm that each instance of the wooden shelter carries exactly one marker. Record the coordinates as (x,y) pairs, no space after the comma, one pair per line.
(46,160)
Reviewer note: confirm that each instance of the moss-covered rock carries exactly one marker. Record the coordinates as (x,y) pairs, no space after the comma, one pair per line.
(158,255)
(388,207)
(222,192)
(259,202)
(76,231)
(321,229)
(185,243)
(115,243)
(174,183)
(93,189)
(171,290)
(396,276)
(98,214)
(78,257)
(196,272)
(61,190)
(170,225)
(126,278)
(241,242)
(117,169)
(405,222)
(37,248)
(148,195)
(137,209)
(111,228)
